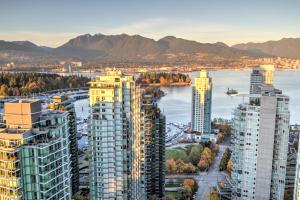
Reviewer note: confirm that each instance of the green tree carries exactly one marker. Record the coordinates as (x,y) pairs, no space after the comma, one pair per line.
(195,153)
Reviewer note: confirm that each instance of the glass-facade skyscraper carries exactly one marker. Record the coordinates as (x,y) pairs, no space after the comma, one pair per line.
(115,138)
(201,105)
(153,124)
(65,103)
(34,153)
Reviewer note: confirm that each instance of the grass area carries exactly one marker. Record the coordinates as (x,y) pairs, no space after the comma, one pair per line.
(174,194)
(177,153)
(173,184)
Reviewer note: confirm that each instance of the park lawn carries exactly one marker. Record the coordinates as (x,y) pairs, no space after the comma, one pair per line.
(176,154)
(170,185)
(174,194)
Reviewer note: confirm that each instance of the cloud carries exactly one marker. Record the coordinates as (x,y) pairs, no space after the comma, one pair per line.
(201,31)
(160,27)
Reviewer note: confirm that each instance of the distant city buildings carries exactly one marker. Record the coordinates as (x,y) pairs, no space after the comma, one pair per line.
(34,152)
(64,103)
(115,139)
(260,131)
(154,130)
(201,105)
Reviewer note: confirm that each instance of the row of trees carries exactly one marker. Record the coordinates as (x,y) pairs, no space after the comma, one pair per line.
(226,163)
(224,131)
(163,78)
(179,167)
(26,84)
(191,159)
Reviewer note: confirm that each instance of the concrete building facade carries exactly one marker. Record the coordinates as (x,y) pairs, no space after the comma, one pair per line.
(260,145)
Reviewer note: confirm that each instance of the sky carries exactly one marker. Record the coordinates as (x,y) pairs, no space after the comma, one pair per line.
(52,23)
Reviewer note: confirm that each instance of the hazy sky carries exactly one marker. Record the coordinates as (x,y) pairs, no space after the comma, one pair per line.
(53,22)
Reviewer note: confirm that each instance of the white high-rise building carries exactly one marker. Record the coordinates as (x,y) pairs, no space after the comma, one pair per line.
(201,104)
(260,132)
(260,76)
(115,138)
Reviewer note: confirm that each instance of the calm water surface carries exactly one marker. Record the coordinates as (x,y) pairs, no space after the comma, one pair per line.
(176,105)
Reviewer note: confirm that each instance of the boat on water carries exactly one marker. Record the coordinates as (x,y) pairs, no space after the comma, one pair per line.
(231,92)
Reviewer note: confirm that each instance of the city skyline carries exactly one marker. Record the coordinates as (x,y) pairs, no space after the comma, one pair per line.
(231,22)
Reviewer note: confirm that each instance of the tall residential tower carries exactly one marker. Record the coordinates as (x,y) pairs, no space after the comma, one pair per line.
(201,104)
(261,75)
(260,133)
(115,138)
(154,131)
(34,153)
(65,103)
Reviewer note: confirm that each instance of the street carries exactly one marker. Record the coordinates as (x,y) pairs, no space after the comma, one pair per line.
(208,180)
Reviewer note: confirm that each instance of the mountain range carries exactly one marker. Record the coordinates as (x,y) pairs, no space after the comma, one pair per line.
(286,47)
(126,48)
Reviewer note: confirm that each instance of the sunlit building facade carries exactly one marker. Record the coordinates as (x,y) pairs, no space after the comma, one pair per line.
(34,153)
(115,138)
(260,131)
(201,104)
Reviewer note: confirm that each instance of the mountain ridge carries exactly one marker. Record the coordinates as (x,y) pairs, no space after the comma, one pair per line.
(285,47)
(136,48)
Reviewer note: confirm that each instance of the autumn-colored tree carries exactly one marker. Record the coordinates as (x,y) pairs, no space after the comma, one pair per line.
(208,155)
(191,183)
(162,80)
(203,164)
(189,168)
(169,197)
(214,195)
(215,148)
(3,90)
(221,184)
(187,192)
(205,159)
(180,166)
(225,158)
(171,166)
(220,137)
(229,166)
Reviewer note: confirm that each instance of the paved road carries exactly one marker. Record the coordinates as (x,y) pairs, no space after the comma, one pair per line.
(207,180)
